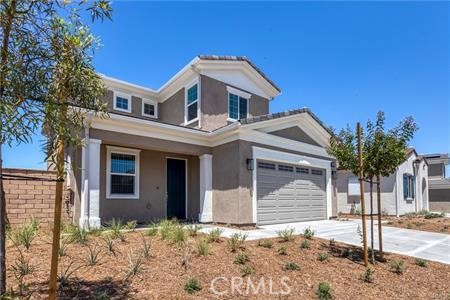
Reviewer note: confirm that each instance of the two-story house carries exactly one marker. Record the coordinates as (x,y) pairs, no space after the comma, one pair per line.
(439,183)
(202,147)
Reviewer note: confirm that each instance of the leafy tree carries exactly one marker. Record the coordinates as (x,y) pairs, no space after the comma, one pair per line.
(27,60)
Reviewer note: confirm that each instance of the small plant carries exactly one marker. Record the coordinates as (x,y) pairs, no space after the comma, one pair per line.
(152,230)
(20,269)
(178,235)
(130,225)
(367,276)
(214,235)
(409,226)
(247,270)
(115,227)
(291,266)
(193,230)
(305,244)
(265,244)
(421,262)
(145,248)
(389,223)
(308,233)
(431,215)
(202,248)
(166,228)
(77,235)
(93,256)
(236,241)
(62,248)
(66,273)
(324,291)
(282,250)
(384,212)
(332,242)
(185,259)
(286,235)
(110,245)
(134,266)
(322,256)
(25,234)
(241,259)
(397,266)
(192,286)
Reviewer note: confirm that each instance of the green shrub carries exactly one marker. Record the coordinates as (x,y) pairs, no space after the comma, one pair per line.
(247,270)
(192,286)
(367,276)
(192,230)
(202,248)
(286,235)
(115,228)
(305,244)
(66,273)
(431,215)
(322,256)
(110,245)
(145,248)
(130,225)
(134,266)
(62,248)
(291,266)
(308,233)
(397,266)
(282,250)
(20,269)
(77,235)
(324,291)
(151,230)
(265,243)
(177,235)
(214,235)
(421,262)
(241,259)
(166,228)
(25,234)
(93,256)
(236,241)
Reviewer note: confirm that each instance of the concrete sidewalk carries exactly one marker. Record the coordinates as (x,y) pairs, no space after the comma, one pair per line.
(426,245)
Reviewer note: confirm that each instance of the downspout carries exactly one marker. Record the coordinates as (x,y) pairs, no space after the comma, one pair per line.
(396,194)
(415,172)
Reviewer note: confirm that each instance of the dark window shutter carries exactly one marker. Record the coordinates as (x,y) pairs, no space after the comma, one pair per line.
(413,181)
(405,186)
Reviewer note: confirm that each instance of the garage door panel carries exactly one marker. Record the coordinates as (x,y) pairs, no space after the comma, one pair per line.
(284,196)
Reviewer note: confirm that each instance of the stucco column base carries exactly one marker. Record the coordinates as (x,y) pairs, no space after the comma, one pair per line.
(205,218)
(94,223)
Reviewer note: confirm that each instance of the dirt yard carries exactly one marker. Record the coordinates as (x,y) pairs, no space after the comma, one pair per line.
(414,221)
(172,262)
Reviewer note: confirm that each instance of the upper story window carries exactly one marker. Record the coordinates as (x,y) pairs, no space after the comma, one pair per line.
(149,108)
(237,104)
(122,102)
(408,186)
(122,173)
(191,111)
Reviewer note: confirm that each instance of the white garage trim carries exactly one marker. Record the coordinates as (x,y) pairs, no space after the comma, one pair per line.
(300,160)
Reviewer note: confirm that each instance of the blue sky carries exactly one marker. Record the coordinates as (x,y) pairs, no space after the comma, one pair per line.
(345,60)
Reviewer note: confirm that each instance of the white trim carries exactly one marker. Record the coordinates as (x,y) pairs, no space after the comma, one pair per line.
(259,153)
(186,197)
(151,102)
(135,152)
(186,105)
(122,95)
(239,93)
(206,192)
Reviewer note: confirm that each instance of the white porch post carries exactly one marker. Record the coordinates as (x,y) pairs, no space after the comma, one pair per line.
(206,194)
(90,191)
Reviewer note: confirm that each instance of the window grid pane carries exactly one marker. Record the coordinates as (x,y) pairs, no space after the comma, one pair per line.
(121,103)
(285,168)
(316,172)
(123,163)
(192,111)
(233,108)
(122,184)
(268,166)
(149,109)
(192,94)
(242,108)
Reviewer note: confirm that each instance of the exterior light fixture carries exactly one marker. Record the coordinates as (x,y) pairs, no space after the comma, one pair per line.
(250,164)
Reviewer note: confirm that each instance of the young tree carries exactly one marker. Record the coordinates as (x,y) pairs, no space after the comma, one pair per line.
(26,65)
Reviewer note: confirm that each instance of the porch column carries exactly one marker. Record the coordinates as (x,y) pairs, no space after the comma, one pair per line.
(206,195)
(90,190)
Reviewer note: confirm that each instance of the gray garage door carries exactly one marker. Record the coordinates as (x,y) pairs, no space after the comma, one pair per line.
(289,193)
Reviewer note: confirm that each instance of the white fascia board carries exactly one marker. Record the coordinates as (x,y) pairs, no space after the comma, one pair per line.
(127,87)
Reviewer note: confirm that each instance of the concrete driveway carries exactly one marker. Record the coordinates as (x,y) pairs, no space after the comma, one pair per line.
(426,245)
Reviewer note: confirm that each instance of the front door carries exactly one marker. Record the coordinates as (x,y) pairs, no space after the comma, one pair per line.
(176,188)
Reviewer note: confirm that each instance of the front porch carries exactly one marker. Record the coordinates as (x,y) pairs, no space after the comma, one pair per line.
(139,178)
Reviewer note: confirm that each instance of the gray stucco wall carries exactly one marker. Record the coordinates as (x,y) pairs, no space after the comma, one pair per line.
(172,110)
(436,170)
(214,104)
(439,200)
(296,134)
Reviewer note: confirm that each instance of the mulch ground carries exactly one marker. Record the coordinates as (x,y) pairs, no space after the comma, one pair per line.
(416,222)
(163,276)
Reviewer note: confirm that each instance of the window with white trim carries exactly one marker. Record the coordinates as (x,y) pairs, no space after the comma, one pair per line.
(237,107)
(122,102)
(191,111)
(122,173)
(149,108)
(408,186)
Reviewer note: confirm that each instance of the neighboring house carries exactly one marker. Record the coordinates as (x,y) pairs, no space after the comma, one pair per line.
(439,184)
(402,192)
(202,147)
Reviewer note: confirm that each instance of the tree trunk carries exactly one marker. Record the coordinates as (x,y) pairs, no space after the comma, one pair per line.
(11,11)
(380,233)
(361,190)
(372,249)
